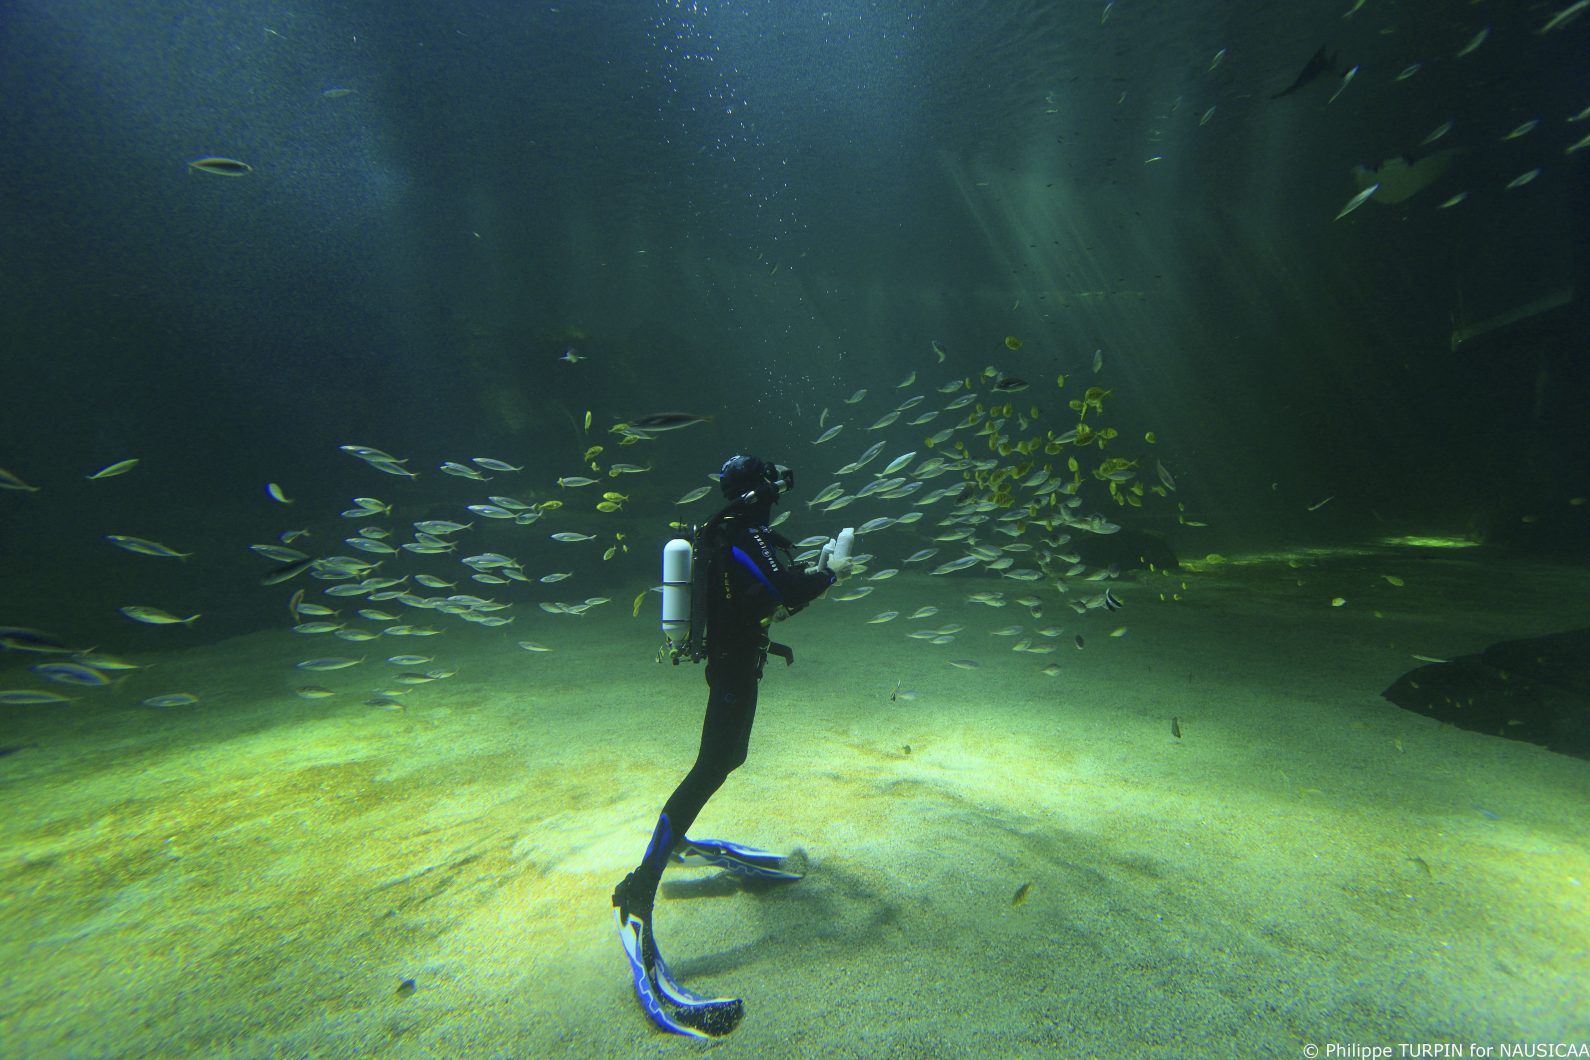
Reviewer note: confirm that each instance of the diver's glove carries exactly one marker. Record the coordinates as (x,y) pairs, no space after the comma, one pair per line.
(840,568)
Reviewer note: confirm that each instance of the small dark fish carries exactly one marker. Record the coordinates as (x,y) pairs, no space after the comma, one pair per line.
(1319,64)
(282,574)
(1111,601)
(1021,894)
(221,167)
(1010,384)
(11,749)
(1079,642)
(1175,727)
(669,421)
(406,987)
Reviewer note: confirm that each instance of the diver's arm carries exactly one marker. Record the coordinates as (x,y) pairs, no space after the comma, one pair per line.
(786,584)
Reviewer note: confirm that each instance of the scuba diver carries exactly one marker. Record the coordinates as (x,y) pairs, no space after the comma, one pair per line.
(742,577)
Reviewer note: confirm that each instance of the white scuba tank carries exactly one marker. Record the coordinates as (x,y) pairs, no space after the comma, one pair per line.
(676,562)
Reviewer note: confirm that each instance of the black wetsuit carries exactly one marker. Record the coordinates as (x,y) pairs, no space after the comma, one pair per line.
(751,574)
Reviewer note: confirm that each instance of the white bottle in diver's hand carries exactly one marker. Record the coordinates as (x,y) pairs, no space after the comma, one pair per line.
(838,551)
(844,543)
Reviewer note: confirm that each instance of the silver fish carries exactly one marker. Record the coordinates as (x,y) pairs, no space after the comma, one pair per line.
(155,617)
(120,467)
(464,471)
(317,627)
(145,547)
(101,661)
(867,457)
(27,697)
(71,674)
(1347,79)
(221,167)
(693,496)
(10,481)
(328,663)
(1474,42)
(174,699)
(829,433)
(898,462)
(1356,201)
(828,493)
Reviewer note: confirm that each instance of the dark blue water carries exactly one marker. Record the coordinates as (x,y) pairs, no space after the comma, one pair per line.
(749,210)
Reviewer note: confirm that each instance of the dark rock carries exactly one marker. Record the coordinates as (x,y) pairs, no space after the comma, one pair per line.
(1536,690)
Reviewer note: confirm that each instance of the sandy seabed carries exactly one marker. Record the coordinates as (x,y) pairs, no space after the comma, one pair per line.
(258,875)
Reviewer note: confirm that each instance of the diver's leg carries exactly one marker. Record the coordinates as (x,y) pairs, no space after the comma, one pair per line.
(724,735)
(735,858)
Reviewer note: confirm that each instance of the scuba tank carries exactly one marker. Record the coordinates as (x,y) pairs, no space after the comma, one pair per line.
(677,556)
(686,570)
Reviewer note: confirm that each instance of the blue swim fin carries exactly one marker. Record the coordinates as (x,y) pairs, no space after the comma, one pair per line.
(736,858)
(669,1005)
